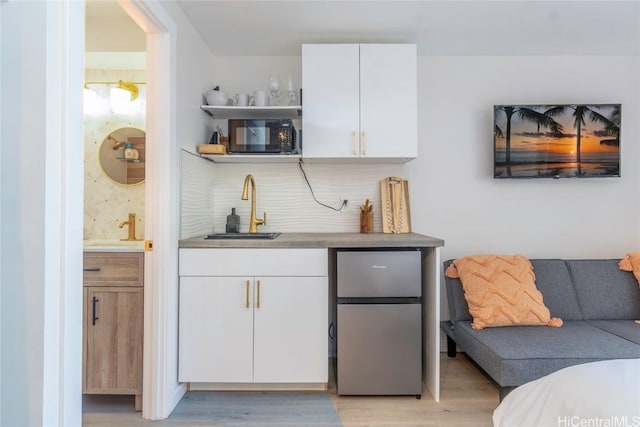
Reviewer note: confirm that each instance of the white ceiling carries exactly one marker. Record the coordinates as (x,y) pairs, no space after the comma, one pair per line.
(451,27)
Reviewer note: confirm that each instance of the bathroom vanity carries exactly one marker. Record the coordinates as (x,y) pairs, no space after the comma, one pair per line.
(112,322)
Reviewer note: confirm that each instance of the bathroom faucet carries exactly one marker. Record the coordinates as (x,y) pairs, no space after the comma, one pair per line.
(132,227)
(253,221)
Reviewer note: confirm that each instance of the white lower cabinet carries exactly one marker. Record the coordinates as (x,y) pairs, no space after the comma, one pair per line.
(216,330)
(290,330)
(253,328)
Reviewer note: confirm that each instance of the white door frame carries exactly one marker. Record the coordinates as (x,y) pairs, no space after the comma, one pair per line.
(63,153)
(161,391)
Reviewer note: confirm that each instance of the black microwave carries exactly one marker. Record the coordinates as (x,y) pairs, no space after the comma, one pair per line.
(267,136)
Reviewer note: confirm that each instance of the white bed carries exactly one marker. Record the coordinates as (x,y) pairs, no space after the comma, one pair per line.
(605,393)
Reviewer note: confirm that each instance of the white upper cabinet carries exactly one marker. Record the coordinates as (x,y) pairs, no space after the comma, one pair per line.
(359,101)
(330,100)
(388,101)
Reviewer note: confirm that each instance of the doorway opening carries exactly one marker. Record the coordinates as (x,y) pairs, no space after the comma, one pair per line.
(114,197)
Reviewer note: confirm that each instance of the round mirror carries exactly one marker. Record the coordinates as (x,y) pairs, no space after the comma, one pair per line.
(122,155)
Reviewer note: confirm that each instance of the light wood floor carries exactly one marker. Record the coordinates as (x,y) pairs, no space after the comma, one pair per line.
(467,398)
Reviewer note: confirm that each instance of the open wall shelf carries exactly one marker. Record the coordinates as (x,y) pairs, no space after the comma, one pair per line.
(267,112)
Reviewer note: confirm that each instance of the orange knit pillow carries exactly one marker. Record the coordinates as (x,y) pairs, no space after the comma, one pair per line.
(501,291)
(631,262)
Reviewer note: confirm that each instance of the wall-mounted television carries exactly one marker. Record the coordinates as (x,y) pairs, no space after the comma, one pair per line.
(556,141)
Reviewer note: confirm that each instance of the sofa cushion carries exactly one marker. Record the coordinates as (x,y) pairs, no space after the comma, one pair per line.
(501,291)
(458,307)
(518,354)
(631,262)
(627,329)
(604,291)
(554,282)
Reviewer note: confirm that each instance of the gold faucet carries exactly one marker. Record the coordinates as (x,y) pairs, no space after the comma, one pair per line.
(132,227)
(253,221)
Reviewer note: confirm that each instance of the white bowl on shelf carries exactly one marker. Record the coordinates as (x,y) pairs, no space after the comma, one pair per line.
(215,97)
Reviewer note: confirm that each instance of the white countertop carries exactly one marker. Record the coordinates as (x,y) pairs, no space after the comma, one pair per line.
(109,245)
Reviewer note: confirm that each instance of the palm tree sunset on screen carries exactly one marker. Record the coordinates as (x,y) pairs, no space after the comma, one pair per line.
(580,112)
(528,114)
(572,140)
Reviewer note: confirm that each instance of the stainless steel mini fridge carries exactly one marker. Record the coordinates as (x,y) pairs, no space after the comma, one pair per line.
(379,323)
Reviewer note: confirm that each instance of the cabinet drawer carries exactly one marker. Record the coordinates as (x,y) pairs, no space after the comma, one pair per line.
(113,269)
(253,262)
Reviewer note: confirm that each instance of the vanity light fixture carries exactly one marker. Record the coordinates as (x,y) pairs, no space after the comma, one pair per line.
(130,87)
(119,96)
(119,99)
(90,100)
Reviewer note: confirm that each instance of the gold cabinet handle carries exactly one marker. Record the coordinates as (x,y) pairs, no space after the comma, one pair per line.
(355,143)
(258,294)
(364,143)
(247,294)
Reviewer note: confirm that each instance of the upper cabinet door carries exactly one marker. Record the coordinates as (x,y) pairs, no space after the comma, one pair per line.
(388,101)
(359,101)
(330,101)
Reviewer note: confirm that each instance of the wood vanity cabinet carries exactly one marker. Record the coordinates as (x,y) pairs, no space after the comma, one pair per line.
(113,323)
(253,316)
(360,101)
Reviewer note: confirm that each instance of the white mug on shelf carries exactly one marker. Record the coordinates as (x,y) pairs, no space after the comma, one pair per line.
(259,98)
(241,99)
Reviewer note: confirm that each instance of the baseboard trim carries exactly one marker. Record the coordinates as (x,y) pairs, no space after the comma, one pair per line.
(256,387)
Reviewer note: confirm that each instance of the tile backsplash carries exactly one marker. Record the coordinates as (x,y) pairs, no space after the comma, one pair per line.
(284,195)
(107,203)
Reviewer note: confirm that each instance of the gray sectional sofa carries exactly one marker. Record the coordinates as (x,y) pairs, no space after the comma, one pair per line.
(597,302)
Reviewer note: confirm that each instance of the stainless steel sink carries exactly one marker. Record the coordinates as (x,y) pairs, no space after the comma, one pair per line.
(243,236)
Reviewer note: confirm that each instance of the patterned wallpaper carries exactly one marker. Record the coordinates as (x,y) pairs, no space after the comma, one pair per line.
(107,203)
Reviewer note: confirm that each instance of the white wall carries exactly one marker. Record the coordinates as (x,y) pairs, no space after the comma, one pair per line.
(194,64)
(41,228)
(454,195)
(249,73)
(23,192)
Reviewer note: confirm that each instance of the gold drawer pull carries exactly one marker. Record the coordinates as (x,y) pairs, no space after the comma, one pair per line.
(355,143)
(258,295)
(364,143)
(247,293)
